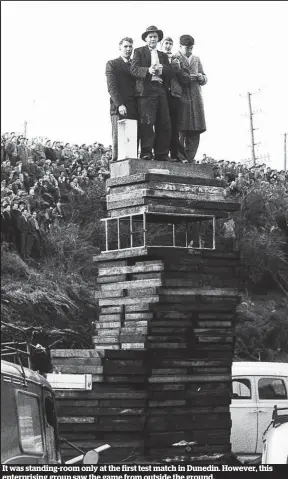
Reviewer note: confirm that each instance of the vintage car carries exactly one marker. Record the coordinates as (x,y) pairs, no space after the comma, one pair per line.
(275,438)
(257,388)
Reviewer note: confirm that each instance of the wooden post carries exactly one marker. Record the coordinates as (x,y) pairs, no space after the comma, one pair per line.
(106,234)
(127,139)
(118,233)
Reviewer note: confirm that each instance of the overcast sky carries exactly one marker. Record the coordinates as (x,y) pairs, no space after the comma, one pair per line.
(54,55)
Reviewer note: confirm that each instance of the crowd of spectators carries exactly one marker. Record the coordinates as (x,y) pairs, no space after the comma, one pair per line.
(37,179)
(240,177)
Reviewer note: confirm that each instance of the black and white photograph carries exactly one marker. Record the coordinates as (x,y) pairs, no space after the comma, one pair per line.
(144,239)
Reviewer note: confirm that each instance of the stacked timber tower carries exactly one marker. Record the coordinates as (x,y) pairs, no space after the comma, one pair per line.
(167,298)
(168,292)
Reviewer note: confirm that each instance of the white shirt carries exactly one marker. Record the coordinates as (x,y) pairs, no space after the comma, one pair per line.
(126,60)
(154,56)
(155,61)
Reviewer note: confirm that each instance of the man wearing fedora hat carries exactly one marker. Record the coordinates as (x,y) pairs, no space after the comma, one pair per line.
(152,71)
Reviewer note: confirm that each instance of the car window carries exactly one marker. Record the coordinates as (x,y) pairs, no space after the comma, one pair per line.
(241,388)
(51,429)
(31,439)
(271,388)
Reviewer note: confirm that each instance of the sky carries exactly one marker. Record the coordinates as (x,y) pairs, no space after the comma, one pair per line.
(53,57)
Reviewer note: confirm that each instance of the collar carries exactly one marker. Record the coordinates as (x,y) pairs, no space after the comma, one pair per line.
(125,60)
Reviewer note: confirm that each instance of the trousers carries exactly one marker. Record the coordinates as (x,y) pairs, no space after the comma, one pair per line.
(188,144)
(154,122)
(174,104)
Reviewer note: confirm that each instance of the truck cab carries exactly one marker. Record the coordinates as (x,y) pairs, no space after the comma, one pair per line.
(29,433)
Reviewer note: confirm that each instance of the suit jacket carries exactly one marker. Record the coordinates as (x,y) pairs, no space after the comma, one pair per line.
(140,66)
(121,84)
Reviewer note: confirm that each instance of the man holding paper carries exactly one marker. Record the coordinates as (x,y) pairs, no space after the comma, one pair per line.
(191,118)
(152,71)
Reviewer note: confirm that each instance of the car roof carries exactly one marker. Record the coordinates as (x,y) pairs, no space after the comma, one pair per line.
(15,370)
(259,368)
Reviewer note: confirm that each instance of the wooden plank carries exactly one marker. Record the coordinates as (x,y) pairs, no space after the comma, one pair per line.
(133,345)
(126,300)
(140,267)
(108,294)
(108,332)
(217,207)
(74,353)
(76,419)
(132,338)
(193,194)
(135,324)
(106,346)
(214,324)
(90,410)
(123,371)
(139,316)
(167,186)
(105,340)
(71,380)
(108,325)
(72,369)
(215,292)
(154,177)
(149,283)
(190,378)
(137,307)
(108,393)
(112,255)
(77,361)
(111,310)
(167,345)
(111,278)
(139,276)
(133,331)
(109,317)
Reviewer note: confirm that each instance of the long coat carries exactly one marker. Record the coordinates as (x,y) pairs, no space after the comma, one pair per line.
(191,108)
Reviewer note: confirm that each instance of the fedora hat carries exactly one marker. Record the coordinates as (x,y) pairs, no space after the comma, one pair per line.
(152,29)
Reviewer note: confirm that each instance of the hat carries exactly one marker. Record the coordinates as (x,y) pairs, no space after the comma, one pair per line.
(187,40)
(152,29)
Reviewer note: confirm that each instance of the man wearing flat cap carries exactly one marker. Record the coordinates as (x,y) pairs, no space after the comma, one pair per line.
(121,86)
(191,119)
(152,71)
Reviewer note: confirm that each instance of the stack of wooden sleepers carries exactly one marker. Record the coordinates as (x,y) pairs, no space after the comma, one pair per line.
(165,332)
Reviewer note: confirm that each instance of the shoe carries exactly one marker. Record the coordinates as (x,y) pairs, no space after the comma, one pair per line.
(147,157)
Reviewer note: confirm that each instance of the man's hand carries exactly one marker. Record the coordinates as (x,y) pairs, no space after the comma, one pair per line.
(122,110)
(199,77)
(152,70)
(159,68)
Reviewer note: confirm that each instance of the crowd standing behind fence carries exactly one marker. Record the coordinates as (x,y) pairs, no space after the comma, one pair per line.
(38,177)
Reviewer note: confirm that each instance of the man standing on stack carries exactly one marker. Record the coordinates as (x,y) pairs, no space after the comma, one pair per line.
(121,86)
(152,71)
(180,79)
(191,118)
